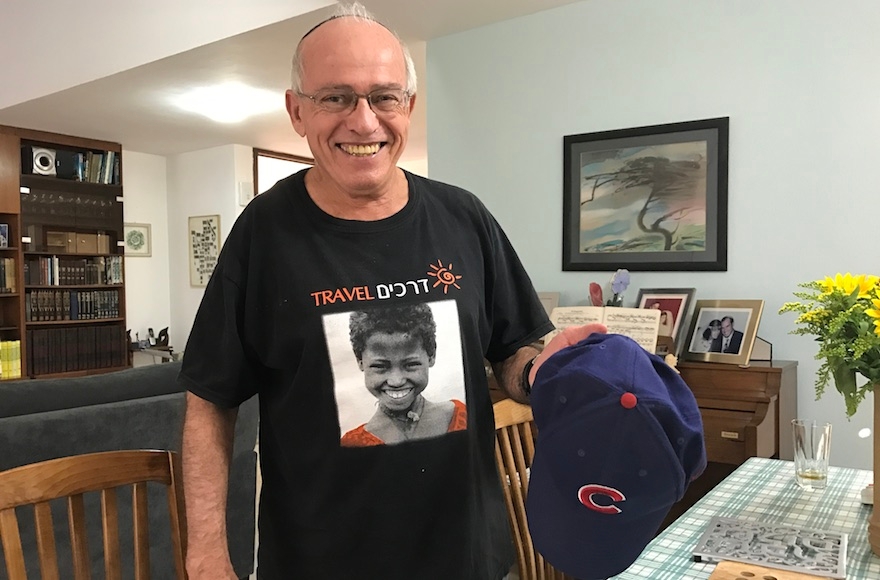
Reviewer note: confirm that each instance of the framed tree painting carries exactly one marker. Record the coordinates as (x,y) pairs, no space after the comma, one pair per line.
(647,198)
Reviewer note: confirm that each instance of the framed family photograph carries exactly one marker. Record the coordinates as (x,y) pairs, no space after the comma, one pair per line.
(673,304)
(647,198)
(723,330)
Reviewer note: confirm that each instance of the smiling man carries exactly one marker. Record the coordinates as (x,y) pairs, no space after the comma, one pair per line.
(731,339)
(355,233)
(354,106)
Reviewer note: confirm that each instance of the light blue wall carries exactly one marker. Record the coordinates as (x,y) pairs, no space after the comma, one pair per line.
(800,82)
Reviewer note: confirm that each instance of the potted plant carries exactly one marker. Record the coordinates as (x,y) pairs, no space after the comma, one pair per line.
(843,314)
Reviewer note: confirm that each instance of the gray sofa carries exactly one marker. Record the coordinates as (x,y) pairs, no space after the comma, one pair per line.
(138,408)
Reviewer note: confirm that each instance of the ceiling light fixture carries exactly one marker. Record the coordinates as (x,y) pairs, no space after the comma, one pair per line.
(230,102)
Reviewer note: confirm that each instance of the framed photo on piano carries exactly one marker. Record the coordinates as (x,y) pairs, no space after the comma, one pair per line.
(723,331)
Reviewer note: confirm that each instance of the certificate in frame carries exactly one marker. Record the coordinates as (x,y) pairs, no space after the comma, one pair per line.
(204,248)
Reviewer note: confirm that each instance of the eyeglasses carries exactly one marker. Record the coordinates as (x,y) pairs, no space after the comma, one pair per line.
(381,101)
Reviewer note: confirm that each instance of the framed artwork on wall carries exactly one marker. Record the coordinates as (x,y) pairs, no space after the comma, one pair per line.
(723,330)
(647,198)
(204,248)
(138,240)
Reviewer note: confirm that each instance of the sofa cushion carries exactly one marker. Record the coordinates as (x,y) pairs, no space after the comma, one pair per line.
(29,396)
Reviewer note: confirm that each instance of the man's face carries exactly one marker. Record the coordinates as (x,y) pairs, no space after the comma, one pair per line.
(356,150)
(726,328)
(395,367)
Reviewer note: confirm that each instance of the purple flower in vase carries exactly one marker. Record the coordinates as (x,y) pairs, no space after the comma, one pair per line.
(619,283)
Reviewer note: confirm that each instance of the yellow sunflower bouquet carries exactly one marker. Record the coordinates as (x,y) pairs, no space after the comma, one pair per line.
(843,313)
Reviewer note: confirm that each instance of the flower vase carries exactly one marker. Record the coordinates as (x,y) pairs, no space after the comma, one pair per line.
(874,520)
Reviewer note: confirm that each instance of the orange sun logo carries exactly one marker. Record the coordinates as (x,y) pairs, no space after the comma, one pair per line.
(444,276)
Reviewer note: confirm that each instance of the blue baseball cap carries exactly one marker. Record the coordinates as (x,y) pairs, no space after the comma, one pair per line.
(620,437)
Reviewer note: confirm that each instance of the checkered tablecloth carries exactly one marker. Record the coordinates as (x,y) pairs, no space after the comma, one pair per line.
(764,490)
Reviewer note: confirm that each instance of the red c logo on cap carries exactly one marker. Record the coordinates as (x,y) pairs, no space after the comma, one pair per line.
(586,496)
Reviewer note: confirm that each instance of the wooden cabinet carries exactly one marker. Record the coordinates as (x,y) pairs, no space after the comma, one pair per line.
(747,411)
(65,314)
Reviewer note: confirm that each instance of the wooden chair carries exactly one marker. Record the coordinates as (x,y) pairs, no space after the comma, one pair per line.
(514,451)
(70,478)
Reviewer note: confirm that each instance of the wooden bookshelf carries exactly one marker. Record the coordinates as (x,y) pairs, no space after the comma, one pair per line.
(82,204)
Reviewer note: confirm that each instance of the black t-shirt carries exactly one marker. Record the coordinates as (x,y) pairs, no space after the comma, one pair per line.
(274,322)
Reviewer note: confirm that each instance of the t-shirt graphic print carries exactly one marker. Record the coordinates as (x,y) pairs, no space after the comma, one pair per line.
(398,372)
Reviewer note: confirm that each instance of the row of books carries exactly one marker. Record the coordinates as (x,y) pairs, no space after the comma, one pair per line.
(10,359)
(46,305)
(59,350)
(95,167)
(55,271)
(7,275)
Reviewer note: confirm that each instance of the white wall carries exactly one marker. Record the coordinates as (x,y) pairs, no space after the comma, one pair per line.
(244,174)
(417,166)
(798,79)
(147,296)
(199,183)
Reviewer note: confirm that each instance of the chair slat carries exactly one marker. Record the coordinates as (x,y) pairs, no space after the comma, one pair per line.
(529,439)
(508,502)
(79,542)
(110,525)
(519,507)
(46,541)
(519,460)
(514,452)
(69,478)
(12,551)
(140,523)
(177,509)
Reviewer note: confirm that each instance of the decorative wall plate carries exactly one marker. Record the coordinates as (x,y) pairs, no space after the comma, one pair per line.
(780,546)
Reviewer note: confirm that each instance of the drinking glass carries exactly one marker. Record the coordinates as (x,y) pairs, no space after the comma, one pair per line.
(812,449)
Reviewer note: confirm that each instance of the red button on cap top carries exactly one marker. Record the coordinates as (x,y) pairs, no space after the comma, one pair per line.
(628,400)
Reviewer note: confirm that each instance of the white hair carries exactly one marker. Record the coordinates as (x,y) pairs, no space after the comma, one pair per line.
(357,11)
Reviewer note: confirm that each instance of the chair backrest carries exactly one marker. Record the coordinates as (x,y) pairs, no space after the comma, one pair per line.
(71,477)
(514,451)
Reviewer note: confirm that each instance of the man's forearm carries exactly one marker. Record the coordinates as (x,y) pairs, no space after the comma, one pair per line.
(206,452)
(509,373)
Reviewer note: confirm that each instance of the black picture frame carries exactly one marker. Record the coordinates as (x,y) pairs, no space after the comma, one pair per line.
(676,302)
(682,226)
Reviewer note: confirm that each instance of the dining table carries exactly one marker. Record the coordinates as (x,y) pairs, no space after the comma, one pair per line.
(764,490)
